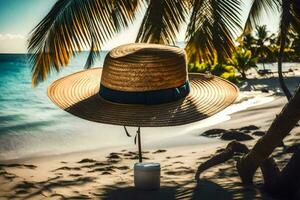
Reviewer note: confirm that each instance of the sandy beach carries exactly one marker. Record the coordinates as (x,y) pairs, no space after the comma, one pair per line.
(108,173)
(149,100)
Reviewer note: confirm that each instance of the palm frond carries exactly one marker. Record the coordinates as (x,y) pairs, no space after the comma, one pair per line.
(94,53)
(212,27)
(289,19)
(196,5)
(72,26)
(285,19)
(257,8)
(162,21)
(295,16)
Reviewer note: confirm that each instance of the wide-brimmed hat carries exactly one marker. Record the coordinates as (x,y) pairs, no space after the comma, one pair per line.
(144,85)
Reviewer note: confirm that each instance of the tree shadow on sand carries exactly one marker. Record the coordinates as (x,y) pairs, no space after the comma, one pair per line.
(75,181)
(270,84)
(204,189)
(228,188)
(29,190)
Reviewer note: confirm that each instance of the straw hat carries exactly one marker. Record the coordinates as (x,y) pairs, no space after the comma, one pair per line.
(144,85)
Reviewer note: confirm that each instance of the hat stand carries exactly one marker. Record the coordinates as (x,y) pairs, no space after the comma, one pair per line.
(139,145)
(146,175)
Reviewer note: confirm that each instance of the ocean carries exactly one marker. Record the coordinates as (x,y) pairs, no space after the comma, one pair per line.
(31,125)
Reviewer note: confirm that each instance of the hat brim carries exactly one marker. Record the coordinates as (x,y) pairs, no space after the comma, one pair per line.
(78,95)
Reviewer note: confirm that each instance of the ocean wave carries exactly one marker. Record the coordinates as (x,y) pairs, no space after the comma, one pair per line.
(27,126)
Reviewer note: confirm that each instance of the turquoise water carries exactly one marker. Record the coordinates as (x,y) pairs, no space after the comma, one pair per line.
(30,124)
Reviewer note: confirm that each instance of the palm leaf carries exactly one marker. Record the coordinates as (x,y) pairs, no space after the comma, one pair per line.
(285,18)
(72,26)
(295,16)
(212,27)
(289,19)
(162,21)
(257,7)
(94,53)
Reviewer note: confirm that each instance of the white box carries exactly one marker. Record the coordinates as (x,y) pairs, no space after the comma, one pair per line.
(147,176)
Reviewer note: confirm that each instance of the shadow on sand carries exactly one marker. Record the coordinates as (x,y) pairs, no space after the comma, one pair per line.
(271,84)
(204,189)
(172,187)
(84,180)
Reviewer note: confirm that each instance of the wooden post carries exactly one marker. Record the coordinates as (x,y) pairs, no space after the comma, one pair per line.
(139,145)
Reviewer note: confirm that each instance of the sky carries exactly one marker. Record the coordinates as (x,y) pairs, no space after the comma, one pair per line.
(19,17)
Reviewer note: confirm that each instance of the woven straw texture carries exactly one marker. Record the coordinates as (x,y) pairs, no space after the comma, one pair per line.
(142,67)
(78,95)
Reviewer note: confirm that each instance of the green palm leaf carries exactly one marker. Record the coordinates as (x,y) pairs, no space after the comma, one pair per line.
(162,21)
(75,25)
(295,16)
(257,7)
(212,26)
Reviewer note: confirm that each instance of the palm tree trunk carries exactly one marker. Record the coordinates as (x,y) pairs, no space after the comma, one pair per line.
(263,62)
(280,58)
(243,73)
(231,149)
(281,126)
(286,185)
(284,27)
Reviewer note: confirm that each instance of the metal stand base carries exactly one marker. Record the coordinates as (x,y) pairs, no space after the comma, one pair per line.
(146,175)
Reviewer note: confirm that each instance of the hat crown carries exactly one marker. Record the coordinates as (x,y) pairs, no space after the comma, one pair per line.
(143,67)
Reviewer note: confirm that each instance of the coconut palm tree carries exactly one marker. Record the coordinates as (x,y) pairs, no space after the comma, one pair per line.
(73,26)
(247,41)
(242,60)
(262,42)
(283,182)
(279,129)
(289,19)
(290,114)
